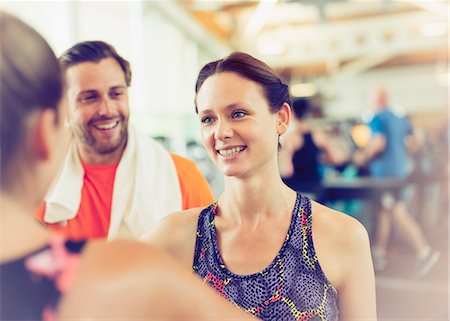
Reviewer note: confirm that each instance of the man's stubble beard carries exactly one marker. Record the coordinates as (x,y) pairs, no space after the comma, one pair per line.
(86,138)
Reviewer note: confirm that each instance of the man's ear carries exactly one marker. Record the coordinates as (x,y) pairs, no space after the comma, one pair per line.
(42,134)
(283,118)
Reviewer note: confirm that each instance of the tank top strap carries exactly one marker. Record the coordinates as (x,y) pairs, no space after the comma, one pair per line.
(204,237)
(302,235)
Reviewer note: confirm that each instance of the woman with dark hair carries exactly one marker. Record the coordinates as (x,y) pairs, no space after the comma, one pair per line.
(271,251)
(41,275)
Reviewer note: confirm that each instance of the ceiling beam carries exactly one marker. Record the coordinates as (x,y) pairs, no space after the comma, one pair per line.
(395,35)
(187,24)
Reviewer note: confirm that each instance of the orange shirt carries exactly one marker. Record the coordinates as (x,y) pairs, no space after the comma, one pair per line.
(93,217)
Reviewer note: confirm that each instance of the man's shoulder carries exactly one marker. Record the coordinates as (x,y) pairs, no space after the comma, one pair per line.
(186,169)
(194,186)
(182,162)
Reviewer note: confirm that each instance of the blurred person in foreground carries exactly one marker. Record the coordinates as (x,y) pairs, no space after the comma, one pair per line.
(304,150)
(43,276)
(387,157)
(116,181)
(255,244)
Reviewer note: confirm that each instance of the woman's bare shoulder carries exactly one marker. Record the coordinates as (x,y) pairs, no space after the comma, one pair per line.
(343,250)
(177,224)
(341,243)
(111,273)
(129,280)
(176,234)
(107,252)
(338,226)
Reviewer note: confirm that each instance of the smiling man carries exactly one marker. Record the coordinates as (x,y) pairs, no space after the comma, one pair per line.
(115,182)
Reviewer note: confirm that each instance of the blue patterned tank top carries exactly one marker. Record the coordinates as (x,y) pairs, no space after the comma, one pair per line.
(292,287)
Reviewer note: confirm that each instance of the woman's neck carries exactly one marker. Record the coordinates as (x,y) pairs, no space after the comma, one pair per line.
(21,232)
(256,198)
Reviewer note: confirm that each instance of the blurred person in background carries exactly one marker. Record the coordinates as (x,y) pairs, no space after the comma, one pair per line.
(387,157)
(304,150)
(116,181)
(426,176)
(43,276)
(263,246)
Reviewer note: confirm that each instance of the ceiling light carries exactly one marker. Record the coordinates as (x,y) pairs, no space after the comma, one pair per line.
(271,47)
(434,29)
(259,17)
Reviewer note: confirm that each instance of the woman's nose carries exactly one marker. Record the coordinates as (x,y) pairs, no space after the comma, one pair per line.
(223,130)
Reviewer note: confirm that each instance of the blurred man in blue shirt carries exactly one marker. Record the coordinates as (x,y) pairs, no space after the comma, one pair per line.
(387,157)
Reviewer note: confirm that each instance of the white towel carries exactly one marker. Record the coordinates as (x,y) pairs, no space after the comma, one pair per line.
(146,188)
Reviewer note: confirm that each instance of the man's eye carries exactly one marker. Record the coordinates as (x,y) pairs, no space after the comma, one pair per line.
(116,94)
(207,120)
(88,99)
(238,114)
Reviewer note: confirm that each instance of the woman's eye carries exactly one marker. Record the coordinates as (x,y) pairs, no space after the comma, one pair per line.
(206,120)
(238,114)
